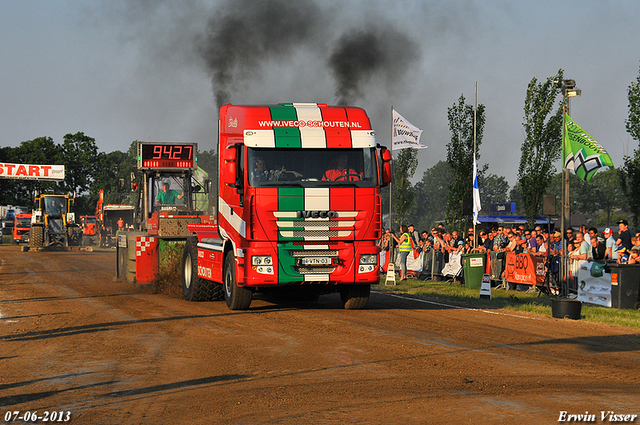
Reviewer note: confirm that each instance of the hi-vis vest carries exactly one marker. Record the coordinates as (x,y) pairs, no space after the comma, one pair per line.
(406,245)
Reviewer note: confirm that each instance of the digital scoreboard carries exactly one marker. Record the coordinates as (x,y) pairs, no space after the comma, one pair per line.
(167,156)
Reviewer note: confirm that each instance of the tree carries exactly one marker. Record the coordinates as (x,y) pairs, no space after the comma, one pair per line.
(492,189)
(404,167)
(542,145)
(515,195)
(460,156)
(79,155)
(630,175)
(602,195)
(431,195)
(113,175)
(632,123)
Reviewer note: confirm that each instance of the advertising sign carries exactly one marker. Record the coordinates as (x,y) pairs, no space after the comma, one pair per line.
(31,172)
(524,269)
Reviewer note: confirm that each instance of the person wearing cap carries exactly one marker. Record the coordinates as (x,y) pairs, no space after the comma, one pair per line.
(610,244)
(167,196)
(623,255)
(624,236)
(555,246)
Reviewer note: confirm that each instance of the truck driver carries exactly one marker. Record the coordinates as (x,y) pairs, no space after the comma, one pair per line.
(168,196)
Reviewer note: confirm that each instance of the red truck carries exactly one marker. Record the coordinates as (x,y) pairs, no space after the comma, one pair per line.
(299,206)
(21,227)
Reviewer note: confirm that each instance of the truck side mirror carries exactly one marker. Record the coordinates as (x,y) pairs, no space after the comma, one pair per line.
(385,155)
(230,166)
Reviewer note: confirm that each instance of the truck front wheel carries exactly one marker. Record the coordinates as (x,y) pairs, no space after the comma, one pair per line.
(237,297)
(194,288)
(355,297)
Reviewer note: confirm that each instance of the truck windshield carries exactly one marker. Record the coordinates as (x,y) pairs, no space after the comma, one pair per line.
(312,167)
(55,206)
(23,222)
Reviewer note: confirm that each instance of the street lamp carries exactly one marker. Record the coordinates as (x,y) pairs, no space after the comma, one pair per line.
(569,90)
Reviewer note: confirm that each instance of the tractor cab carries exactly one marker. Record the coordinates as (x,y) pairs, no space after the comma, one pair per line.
(53,223)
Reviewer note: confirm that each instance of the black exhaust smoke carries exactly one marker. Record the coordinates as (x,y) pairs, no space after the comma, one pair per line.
(361,55)
(243,34)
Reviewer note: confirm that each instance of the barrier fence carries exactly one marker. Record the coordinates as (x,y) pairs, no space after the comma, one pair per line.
(522,269)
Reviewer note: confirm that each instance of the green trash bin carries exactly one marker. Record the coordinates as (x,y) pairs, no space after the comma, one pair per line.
(473,267)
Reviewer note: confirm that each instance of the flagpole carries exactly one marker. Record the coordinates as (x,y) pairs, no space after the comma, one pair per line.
(566,218)
(391,184)
(475,111)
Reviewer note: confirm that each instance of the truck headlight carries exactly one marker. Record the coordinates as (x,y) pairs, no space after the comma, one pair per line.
(262,264)
(369,259)
(368,263)
(261,260)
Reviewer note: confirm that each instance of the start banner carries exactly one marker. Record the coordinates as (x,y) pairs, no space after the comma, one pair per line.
(31,172)
(525,269)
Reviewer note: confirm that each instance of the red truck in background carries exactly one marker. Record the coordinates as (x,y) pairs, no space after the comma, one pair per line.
(21,227)
(299,206)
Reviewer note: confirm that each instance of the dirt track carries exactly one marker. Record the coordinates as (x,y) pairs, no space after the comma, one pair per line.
(73,339)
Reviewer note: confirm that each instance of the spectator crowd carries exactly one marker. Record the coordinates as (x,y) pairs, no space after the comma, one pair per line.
(582,244)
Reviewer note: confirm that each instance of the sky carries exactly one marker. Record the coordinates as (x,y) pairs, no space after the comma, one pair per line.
(156,70)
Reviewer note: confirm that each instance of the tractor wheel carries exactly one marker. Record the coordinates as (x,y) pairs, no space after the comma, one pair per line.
(237,297)
(75,236)
(36,236)
(194,288)
(355,297)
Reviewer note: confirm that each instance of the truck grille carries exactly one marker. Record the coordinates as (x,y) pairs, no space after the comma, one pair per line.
(315,234)
(341,226)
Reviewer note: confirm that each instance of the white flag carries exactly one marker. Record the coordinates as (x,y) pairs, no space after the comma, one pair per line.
(405,134)
(476,193)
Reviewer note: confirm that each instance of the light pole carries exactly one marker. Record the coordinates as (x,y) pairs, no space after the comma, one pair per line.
(569,90)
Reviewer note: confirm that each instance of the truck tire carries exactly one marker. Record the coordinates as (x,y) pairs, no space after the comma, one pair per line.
(194,288)
(237,297)
(355,297)
(36,236)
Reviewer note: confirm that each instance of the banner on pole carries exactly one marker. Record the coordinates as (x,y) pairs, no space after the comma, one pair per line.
(583,154)
(31,172)
(405,135)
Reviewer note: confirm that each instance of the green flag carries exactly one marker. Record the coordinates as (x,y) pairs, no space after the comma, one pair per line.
(582,153)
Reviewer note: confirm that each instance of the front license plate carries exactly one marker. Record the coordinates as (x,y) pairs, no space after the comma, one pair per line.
(316,261)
